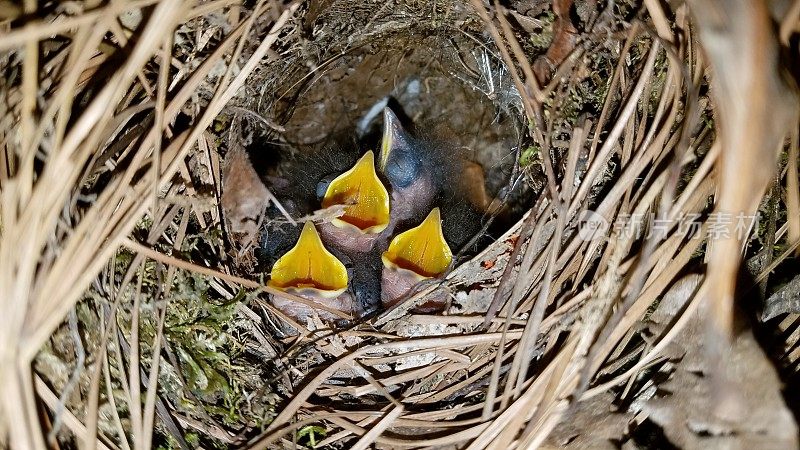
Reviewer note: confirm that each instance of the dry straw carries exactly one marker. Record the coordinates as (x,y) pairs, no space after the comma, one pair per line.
(561,328)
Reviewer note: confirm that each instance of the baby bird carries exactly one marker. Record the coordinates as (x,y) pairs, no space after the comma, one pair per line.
(312,272)
(422,174)
(413,256)
(411,167)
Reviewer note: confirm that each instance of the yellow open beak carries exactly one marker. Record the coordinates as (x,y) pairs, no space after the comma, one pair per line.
(421,250)
(363,193)
(309,265)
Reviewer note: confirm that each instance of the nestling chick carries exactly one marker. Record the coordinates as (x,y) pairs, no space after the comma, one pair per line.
(310,271)
(422,174)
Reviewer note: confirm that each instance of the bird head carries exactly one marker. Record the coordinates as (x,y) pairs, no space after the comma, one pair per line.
(363,195)
(410,167)
(365,203)
(310,271)
(416,255)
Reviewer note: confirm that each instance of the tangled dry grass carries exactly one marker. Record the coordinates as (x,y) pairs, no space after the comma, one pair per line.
(128,324)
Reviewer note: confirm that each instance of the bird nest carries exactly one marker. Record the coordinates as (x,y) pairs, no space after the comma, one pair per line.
(130,223)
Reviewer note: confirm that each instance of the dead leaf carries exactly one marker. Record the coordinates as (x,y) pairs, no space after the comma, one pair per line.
(593,423)
(688,414)
(563,43)
(785,300)
(244,196)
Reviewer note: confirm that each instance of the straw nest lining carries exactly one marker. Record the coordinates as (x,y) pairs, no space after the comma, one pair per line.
(575,324)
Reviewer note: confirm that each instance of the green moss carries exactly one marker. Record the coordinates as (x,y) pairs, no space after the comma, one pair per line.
(221,123)
(309,435)
(205,373)
(541,40)
(192,439)
(198,328)
(529,155)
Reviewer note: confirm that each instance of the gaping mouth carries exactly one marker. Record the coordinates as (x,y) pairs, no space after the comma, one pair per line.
(421,250)
(309,265)
(365,197)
